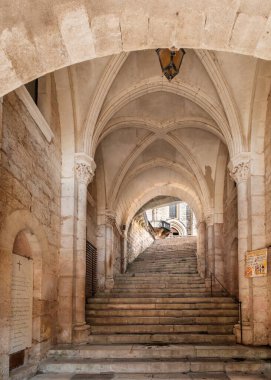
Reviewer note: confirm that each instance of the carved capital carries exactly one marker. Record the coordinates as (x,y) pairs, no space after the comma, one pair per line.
(84,168)
(209,220)
(240,172)
(239,167)
(110,217)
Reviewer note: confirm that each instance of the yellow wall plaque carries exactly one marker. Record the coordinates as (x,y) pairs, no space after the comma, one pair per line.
(256,263)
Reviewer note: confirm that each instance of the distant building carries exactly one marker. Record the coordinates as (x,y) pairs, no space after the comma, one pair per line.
(179,215)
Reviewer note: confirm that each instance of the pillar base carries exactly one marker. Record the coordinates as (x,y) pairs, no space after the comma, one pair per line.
(81,333)
(247,334)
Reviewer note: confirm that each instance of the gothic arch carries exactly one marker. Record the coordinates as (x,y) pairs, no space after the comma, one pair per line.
(175,190)
(158,84)
(178,226)
(160,128)
(65,33)
(181,148)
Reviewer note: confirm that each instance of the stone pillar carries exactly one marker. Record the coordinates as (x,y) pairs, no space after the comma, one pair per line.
(1,121)
(210,245)
(84,171)
(105,241)
(201,248)
(110,220)
(218,252)
(189,220)
(240,171)
(124,243)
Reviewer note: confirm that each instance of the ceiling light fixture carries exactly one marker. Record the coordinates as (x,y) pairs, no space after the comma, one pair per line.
(170,61)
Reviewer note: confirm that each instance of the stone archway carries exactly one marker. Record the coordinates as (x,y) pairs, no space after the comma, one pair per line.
(64,33)
(21,233)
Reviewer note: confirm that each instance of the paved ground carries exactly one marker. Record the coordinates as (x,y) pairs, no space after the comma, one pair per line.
(201,376)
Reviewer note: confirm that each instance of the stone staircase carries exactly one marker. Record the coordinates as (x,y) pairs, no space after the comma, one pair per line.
(162,299)
(159,322)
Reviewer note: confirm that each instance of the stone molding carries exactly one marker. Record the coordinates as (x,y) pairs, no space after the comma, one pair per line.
(84,168)
(35,113)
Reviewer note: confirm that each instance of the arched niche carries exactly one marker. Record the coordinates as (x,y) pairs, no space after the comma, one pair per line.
(22,235)
(26,277)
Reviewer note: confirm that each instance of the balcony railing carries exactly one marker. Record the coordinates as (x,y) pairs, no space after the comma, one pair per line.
(161,224)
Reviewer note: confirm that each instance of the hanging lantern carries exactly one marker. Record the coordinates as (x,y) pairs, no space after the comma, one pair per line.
(170,61)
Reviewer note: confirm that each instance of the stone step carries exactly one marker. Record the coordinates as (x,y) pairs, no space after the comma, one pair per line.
(157,300)
(131,320)
(163,272)
(173,257)
(189,294)
(126,351)
(92,366)
(170,262)
(197,289)
(168,280)
(159,284)
(151,338)
(174,264)
(162,276)
(164,268)
(148,376)
(186,329)
(159,263)
(163,306)
(162,313)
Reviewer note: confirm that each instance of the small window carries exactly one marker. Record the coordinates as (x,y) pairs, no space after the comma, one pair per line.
(172,211)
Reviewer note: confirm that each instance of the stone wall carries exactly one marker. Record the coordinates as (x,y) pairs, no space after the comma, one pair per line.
(268,173)
(138,238)
(30,202)
(230,233)
(268,197)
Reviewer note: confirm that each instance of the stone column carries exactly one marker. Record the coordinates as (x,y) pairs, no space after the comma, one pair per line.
(110,220)
(240,171)
(218,252)
(1,121)
(210,245)
(189,220)
(201,248)
(124,243)
(84,171)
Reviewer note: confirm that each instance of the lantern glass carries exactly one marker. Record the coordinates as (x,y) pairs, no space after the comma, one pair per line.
(170,61)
